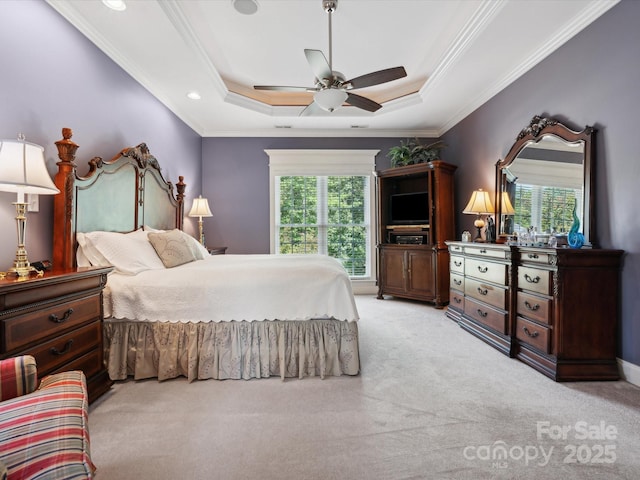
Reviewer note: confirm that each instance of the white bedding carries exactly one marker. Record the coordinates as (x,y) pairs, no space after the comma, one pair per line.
(235,287)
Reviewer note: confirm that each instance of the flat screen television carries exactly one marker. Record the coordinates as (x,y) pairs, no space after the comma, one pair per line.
(409,208)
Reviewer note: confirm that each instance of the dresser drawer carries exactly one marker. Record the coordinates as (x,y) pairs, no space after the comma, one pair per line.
(486,271)
(90,363)
(534,307)
(533,334)
(456,300)
(482,251)
(487,293)
(22,330)
(457,282)
(455,249)
(497,320)
(50,355)
(534,279)
(535,257)
(456,264)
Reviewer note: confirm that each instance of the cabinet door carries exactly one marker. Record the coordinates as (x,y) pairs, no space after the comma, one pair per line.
(392,267)
(421,273)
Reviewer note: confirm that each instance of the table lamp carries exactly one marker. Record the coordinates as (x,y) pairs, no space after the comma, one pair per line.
(200,208)
(479,204)
(23,170)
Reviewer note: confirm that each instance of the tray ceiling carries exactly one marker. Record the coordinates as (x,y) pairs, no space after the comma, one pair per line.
(457,54)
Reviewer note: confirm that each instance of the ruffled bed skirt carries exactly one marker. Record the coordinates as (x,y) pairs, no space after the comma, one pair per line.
(231,350)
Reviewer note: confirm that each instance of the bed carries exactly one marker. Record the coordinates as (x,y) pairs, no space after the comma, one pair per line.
(171,309)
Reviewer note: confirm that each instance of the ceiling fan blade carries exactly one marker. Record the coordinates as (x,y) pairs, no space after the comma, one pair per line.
(283,88)
(362,102)
(319,64)
(376,78)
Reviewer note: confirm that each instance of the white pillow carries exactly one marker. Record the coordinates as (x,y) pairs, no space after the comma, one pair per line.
(90,254)
(199,250)
(129,253)
(81,258)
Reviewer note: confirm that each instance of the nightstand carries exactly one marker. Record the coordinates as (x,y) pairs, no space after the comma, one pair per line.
(57,318)
(217,250)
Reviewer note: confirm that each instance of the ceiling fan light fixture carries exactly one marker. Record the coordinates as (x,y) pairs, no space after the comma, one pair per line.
(331,86)
(245,7)
(330,98)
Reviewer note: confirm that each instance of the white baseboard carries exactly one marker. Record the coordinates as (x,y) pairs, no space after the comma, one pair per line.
(629,372)
(364,287)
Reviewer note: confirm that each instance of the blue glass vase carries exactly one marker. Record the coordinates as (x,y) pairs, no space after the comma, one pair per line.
(575,239)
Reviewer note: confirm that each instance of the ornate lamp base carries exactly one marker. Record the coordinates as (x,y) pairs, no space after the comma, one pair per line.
(21,266)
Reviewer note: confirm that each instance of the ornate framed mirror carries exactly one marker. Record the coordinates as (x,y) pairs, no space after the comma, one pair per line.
(546,181)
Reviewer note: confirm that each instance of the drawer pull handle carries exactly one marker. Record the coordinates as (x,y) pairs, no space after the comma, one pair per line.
(482,250)
(533,308)
(532,335)
(531,280)
(456,263)
(482,269)
(457,282)
(54,318)
(482,292)
(481,313)
(533,255)
(67,347)
(457,300)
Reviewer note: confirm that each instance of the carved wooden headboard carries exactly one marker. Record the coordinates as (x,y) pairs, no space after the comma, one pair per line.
(118,195)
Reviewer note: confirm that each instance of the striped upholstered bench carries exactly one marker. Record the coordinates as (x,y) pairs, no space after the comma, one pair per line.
(43,431)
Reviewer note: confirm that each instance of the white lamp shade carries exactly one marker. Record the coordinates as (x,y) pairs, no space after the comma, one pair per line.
(200,208)
(23,169)
(480,203)
(330,98)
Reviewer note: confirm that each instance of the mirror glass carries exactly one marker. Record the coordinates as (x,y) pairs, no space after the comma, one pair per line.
(544,184)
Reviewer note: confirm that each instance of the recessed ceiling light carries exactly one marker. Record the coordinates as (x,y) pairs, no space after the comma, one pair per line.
(117,5)
(194,95)
(245,7)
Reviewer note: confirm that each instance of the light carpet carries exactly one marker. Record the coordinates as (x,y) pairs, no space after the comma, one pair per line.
(432,402)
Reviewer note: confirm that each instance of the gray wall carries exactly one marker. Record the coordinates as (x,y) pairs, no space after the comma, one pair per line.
(235,180)
(53,77)
(592,80)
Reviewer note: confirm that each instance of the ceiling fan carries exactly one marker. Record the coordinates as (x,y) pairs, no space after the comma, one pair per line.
(331,88)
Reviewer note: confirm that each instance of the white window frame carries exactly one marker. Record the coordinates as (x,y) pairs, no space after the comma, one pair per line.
(327,163)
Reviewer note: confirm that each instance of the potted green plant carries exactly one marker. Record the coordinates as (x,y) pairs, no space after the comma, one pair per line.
(410,152)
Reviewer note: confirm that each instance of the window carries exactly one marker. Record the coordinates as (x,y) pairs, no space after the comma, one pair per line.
(545,194)
(547,209)
(327,215)
(322,202)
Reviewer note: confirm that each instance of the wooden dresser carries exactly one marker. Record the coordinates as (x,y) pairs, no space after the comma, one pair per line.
(555,309)
(57,319)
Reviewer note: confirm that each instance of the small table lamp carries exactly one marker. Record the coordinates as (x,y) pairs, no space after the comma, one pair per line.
(479,204)
(200,208)
(23,170)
